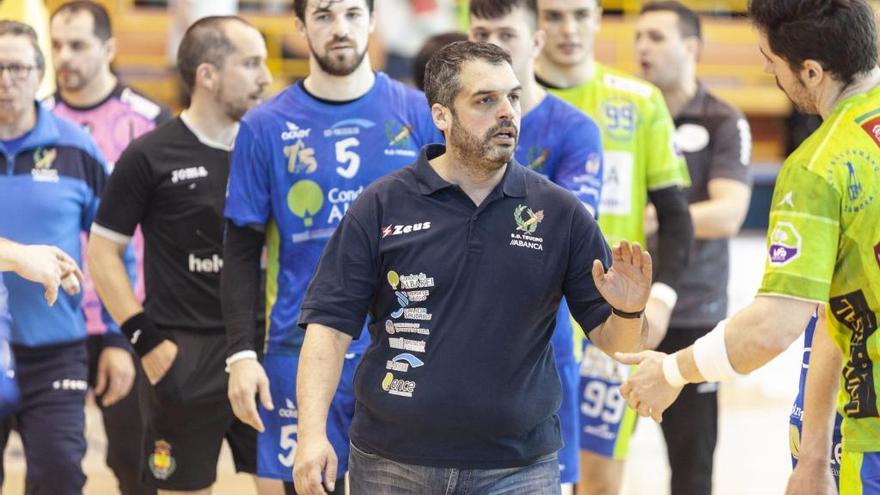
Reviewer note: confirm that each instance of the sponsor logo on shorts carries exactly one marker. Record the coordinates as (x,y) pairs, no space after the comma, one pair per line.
(602,431)
(392,230)
(785,244)
(396,386)
(289,410)
(162,463)
(70,384)
(403,362)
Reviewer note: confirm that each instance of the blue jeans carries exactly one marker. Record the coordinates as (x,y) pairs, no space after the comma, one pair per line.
(374,475)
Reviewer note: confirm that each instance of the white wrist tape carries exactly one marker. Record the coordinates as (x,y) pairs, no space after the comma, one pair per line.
(671,371)
(664,294)
(240,356)
(710,355)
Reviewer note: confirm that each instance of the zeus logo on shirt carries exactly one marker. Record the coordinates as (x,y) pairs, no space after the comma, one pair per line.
(190,173)
(393,230)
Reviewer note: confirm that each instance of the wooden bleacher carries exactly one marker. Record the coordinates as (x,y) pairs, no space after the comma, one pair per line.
(731,64)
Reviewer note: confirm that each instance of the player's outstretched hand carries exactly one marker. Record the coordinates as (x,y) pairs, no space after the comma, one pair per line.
(647,390)
(314,459)
(811,477)
(627,284)
(50,267)
(115,375)
(158,361)
(247,379)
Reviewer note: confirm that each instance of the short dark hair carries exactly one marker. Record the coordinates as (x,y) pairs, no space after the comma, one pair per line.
(299,7)
(841,35)
(204,42)
(432,44)
(14,28)
(443,72)
(689,24)
(102,28)
(495,9)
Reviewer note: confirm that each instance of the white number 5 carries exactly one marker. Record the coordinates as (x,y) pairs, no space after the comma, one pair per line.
(347,157)
(288,442)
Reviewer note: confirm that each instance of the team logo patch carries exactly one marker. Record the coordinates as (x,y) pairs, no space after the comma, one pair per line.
(536,158)
(872,127)
(530,224)
(162,463)
(527,222)
(855,164)
(44,158)
(785,244)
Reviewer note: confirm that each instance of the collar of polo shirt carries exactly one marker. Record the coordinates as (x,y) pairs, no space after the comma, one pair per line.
(513,183)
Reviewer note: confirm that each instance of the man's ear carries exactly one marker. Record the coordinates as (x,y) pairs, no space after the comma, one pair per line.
(812,73)
(442,117)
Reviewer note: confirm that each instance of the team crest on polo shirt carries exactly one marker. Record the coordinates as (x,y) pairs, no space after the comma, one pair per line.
(162,463)
(44,158)
(527,222)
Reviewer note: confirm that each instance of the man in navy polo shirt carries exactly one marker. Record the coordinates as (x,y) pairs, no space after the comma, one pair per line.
(461,261)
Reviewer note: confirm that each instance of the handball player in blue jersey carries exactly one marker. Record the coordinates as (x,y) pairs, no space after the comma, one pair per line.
(561,143)
(300,160)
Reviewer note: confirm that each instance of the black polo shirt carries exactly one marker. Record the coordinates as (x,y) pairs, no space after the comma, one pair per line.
(462,302)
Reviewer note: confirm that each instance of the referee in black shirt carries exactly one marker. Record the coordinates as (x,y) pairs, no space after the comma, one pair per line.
(172,181)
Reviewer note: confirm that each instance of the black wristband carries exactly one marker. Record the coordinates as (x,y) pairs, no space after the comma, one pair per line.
(629,316)
(142,334)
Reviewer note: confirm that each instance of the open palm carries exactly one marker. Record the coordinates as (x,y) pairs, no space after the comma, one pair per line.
(627,284)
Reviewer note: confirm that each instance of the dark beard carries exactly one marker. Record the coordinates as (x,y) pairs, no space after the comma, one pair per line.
(337,67)
(479,153)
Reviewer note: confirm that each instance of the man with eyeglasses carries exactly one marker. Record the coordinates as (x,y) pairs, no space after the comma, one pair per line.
(53,176)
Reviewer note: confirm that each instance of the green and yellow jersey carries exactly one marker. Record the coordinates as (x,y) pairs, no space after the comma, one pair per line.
(637,137)
(824,246)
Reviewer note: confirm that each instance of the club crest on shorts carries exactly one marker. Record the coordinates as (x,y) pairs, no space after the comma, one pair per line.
(162,463)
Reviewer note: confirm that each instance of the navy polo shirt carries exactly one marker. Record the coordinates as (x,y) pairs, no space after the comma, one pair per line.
(462,303)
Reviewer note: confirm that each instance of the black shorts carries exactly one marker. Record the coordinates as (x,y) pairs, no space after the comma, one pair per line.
(188,416)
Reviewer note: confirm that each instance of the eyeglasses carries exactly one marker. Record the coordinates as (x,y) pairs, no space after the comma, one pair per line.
(17,71)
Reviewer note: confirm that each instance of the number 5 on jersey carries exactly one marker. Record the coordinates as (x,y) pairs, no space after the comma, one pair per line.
(350,160)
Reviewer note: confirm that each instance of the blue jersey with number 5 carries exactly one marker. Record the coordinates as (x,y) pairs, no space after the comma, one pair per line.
(298,165)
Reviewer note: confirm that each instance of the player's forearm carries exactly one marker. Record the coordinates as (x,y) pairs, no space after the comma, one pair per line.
(717,219)
(820,396)
(618,334)
(320,366)
(675,234)
(108,272)
(240,285)
(755,335)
